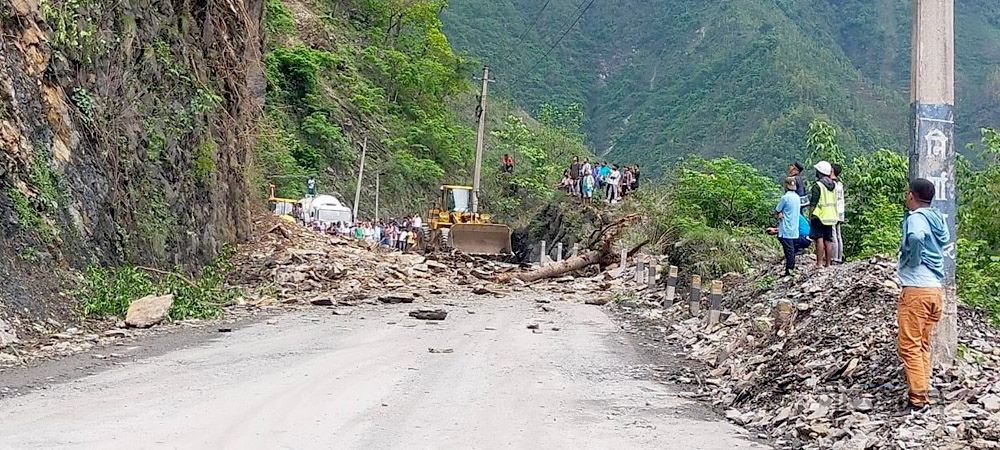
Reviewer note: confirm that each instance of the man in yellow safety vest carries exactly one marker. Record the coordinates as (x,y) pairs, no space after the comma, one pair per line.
(823,199)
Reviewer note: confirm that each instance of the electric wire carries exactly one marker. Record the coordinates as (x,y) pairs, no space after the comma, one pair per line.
(529,28)
(563,36)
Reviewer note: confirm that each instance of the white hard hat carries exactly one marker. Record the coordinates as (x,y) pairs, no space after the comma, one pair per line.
(823,167)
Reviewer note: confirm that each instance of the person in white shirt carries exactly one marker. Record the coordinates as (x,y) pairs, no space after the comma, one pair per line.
(614,178)
(838,237)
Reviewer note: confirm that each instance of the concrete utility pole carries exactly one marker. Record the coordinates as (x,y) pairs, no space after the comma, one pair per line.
(479,141)
(361,173)
(377,189)
(932,155)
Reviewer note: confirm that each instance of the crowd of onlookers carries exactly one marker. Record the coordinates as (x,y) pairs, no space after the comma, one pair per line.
(584,180)
(402,235)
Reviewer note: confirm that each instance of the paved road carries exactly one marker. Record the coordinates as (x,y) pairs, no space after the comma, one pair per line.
(367,381)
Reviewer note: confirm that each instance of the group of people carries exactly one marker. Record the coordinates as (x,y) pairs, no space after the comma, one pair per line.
(812,214)
(402,235)
(582,180)
(819,214)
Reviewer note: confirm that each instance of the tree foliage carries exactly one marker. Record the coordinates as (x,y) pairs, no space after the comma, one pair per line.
(725,192)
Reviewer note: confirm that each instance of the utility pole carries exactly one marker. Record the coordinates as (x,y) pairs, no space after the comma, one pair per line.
(377,188)
(361,173)
(932,155)
(479,141)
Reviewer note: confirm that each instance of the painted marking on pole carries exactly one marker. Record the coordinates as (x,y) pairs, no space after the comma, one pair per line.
(937,143)
(940,186)
(928,119)
(694,302)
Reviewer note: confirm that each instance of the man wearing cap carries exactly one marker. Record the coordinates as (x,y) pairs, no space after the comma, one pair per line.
(921,270)
(823,199)
(795,171)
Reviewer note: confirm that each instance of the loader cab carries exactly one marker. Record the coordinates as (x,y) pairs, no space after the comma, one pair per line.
(457,199)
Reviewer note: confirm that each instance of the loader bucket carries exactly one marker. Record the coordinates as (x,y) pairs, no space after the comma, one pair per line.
(481,239)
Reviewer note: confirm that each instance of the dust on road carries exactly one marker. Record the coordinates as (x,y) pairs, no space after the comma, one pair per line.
(368,381)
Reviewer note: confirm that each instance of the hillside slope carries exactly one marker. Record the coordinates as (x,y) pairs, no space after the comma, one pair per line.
(660,80)
(343,72)
(124,133)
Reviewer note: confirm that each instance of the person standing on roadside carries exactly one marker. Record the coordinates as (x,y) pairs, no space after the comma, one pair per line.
(824,213)
(614,177)
(788,211)
(588,187)
(838,237)
(921,270)
(574,174)
(795,170)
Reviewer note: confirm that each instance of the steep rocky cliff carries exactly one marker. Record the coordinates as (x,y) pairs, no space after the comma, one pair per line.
(125,132)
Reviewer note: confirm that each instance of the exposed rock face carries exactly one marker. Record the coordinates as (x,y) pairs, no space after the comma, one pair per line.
(148,311)
(125,135)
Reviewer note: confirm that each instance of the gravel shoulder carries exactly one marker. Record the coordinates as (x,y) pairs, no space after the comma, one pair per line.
(368,380)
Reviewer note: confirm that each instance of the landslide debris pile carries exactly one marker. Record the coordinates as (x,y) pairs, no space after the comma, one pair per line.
(288,264)
(812,364)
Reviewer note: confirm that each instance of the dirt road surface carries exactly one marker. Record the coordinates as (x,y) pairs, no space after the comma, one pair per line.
(367,380)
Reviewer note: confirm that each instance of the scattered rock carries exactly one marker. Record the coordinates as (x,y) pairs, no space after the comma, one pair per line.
(991,402)
(441,350)
(322,302)
(225,330)
(7,334)
(532,326)
(397,298)
(429,314)
(148,311)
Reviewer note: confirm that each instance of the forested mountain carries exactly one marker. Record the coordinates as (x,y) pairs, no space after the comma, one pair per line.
(662,79)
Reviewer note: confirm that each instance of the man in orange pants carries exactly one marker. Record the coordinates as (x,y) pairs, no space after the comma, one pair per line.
(921,270)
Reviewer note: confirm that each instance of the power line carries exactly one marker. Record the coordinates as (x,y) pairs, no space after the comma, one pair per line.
(520,39)
(563,36)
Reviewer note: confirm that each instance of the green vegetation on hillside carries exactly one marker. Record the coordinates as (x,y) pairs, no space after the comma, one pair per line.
(739,78)
(342,71)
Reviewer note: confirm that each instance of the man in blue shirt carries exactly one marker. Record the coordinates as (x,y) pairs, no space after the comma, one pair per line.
(788,210)
(921,270)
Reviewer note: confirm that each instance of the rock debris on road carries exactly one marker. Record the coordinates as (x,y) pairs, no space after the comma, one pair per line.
(378,379)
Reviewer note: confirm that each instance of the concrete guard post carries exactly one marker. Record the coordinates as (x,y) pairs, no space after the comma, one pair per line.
(716,300)
(671,287)
(694,302)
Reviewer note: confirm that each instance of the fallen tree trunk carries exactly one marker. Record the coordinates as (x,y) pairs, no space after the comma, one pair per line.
(556,269)
(600,248)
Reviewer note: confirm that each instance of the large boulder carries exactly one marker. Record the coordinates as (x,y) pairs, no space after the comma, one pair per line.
(148,311)
(7,334)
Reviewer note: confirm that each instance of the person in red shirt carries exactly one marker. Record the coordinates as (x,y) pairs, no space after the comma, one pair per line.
(508,163)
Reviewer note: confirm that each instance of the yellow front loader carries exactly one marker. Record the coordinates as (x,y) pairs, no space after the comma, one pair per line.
(453,225)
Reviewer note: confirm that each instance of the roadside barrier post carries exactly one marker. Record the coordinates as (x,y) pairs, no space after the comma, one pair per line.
(651,278)
(624,260)
(559,250)
(640,269)
(671,287)
(694,302)
(541,255)
(576,250)
(716,299)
